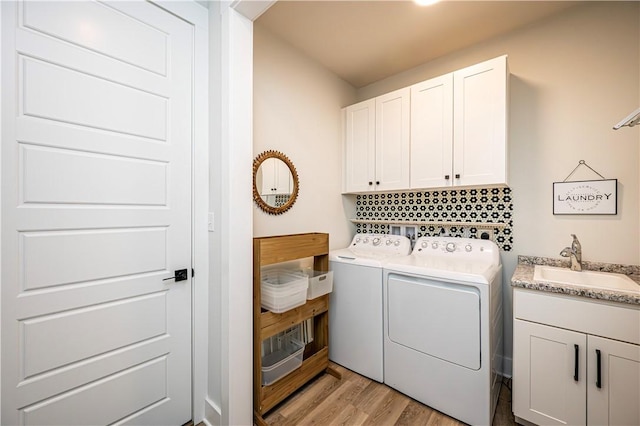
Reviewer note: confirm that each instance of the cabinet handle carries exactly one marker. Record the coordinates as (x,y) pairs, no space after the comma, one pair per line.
(446,177)
(457,175)
(575,363)
(599,369)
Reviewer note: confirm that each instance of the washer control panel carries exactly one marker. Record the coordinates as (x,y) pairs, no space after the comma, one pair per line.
(381,243)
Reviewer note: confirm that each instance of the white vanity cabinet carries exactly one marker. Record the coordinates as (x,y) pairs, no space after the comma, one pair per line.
(576,360)
(459,127)
(376,148)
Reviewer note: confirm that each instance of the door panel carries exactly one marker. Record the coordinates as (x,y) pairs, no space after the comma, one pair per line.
(106,105)
(359,155)
(545,361)
(88,178)
(479,132)
(96,212)
(120,323)
(617,400)
(392,140)
(438,319)
(102,29)
(144,384)
(432,133)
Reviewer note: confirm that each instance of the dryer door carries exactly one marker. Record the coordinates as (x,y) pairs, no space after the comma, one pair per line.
(436,318)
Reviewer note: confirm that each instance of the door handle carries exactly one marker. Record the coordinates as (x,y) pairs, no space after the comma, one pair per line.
(576,348)
(178,275)
(599,369)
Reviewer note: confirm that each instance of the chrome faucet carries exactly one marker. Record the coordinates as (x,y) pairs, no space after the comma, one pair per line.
(574,253)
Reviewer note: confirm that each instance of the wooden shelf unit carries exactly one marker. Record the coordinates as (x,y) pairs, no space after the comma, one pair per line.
(269,251)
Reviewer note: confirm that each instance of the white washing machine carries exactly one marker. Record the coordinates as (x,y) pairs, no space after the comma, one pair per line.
(355,306)
(443,326)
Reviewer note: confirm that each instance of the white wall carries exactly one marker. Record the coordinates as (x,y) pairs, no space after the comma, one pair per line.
(297,112)
(213,407)
(229,392)
(573,76)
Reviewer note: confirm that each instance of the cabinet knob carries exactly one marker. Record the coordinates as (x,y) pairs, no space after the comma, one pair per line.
(446,177)
(377,182)
(457,175)
(370,183)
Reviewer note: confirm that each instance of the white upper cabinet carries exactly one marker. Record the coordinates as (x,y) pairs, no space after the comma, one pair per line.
(359,146)
(432,133)
(458,127)
(480,123)
(446,131)
(392,141)
(377,144)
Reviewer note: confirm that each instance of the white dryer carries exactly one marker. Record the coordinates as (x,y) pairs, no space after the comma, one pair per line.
(355,313)
(443,326)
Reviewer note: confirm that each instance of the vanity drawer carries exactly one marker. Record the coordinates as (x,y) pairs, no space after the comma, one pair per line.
(597,317)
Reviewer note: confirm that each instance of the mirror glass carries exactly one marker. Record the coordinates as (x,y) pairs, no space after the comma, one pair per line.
(275,182)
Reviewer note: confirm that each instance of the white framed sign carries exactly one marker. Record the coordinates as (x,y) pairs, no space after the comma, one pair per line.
(586,197)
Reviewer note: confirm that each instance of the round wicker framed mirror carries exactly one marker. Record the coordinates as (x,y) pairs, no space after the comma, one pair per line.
(275,182)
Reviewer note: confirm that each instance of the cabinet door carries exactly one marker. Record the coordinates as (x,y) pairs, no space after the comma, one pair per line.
(266,176)
(545,391)
(392,140)
(359,147)
(480,123)
(613,396)
(432,133)
(283,178)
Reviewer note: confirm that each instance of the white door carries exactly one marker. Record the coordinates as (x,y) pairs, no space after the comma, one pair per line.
(96,213)
(432,133)
(359,147)
(613,391)
(392,140)
(480,123)
(550,384)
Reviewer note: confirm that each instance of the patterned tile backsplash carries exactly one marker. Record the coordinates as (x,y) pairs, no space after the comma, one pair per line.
(475,205)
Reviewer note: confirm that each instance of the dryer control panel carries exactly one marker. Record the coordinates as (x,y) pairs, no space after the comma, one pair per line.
(460,248)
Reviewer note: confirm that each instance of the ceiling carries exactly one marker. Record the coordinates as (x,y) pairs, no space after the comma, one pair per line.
(365,41)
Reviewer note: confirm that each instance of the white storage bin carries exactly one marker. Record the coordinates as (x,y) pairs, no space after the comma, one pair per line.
(283,290)
(278,364)
(320,283)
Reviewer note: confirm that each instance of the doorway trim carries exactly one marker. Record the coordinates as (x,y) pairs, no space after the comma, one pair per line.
(197,16)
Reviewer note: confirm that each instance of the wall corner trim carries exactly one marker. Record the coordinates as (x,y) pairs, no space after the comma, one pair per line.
(251,9)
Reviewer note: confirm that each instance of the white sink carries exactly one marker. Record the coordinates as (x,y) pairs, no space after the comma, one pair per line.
(590,279)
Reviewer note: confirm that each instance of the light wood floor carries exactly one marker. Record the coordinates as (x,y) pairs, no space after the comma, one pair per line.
(356,400)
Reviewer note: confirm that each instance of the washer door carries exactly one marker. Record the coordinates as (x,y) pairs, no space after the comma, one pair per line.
(436,318)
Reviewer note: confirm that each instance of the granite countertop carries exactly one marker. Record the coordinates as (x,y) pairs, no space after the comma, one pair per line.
(523,278)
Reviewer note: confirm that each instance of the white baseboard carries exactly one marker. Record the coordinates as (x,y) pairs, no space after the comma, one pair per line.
(212,413)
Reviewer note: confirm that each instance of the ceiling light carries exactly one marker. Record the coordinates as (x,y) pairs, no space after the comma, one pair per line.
(425,2)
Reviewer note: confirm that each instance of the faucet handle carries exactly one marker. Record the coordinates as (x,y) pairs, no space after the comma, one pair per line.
(576,242)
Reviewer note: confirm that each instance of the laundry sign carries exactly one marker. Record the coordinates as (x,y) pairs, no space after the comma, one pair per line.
(586,197)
